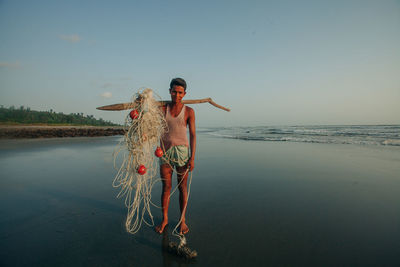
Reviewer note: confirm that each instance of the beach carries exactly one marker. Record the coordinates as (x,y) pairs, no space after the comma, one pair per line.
(49,131)
(252,203)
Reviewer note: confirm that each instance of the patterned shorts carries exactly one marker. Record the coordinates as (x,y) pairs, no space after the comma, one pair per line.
(176,156)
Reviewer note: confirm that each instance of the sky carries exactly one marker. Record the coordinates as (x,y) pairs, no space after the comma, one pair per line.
(271,62)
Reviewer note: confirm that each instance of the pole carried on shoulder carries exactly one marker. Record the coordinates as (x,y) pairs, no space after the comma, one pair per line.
(123,106)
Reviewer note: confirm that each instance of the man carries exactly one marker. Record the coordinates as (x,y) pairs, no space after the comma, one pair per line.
(176,151)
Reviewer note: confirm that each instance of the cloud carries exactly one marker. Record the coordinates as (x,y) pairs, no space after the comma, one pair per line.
(10,65)
(106,95)
(73,38)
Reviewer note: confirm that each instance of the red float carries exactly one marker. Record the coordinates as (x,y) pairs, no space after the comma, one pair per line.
(134,114)
(159,153)
(141,170)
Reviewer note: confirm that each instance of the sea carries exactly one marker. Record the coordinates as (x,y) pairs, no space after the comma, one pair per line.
(378,135)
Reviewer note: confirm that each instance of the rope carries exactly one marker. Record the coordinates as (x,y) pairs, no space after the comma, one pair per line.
(141,137)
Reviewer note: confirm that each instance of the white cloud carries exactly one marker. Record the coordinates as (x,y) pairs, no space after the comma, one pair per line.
(10,65)
(106,95)
(73,38)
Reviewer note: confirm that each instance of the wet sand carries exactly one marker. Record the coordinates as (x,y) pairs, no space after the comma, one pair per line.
(252,203)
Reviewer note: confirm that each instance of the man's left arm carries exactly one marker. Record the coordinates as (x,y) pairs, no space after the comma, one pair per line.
(192,134)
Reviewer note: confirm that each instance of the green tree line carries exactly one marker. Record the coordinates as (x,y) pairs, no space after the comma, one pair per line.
(24,115)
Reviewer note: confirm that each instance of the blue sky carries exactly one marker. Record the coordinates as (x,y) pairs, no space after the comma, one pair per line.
(271,62)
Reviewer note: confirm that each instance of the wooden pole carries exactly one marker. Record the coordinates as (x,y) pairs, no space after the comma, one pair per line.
(123,106)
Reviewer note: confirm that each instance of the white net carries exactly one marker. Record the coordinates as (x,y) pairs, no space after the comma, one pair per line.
(143,133)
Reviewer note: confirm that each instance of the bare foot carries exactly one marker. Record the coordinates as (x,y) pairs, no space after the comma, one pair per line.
(160,228)
(184,228)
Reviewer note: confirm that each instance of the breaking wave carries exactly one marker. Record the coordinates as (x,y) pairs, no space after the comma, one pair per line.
(383,135)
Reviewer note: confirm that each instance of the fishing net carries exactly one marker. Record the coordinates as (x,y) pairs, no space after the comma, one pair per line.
(143,132)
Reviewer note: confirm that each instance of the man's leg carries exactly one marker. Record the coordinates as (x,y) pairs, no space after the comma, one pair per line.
(183,196)
(166,174)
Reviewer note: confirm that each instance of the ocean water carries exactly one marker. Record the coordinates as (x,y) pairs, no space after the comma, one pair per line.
(381,135)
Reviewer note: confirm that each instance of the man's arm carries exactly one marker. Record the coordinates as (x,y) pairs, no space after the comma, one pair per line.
(192,135)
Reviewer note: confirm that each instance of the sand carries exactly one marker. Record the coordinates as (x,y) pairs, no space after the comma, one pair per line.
(252,203)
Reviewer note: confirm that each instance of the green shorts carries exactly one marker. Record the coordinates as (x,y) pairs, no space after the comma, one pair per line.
(176,156)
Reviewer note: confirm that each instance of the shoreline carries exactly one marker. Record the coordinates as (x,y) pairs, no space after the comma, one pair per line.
(50,131)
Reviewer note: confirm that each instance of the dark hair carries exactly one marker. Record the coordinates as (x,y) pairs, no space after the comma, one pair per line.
(178,82)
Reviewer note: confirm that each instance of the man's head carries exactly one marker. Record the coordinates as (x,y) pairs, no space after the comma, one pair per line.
(179,82)
(177,89)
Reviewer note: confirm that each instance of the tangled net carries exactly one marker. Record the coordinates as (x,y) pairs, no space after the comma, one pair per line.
(141,138)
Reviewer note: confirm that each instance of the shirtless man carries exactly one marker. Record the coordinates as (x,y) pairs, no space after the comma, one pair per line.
(176,151)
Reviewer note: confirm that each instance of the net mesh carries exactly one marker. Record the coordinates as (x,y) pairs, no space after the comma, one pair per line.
(142,135)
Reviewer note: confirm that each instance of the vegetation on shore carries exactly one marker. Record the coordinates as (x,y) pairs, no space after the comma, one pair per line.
(24,115)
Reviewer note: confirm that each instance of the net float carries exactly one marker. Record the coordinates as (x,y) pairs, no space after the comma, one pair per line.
(141,169)
(159,153)
(134,114)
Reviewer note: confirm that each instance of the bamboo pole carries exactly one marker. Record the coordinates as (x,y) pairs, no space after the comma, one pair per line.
(123,106)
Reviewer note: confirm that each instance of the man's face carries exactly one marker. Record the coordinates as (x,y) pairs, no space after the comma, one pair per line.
(177,93)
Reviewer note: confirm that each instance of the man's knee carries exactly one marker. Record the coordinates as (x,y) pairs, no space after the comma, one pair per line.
(165,171)
(167,182)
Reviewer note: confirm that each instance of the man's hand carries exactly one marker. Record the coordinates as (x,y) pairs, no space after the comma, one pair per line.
(190,164)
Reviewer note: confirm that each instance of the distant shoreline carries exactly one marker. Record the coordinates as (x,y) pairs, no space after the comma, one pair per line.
(54,131)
